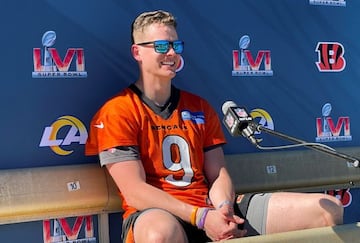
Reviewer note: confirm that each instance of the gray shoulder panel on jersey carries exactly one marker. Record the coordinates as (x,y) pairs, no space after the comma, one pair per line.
(119,154)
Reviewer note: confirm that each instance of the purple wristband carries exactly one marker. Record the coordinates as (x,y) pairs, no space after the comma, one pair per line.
(202,219)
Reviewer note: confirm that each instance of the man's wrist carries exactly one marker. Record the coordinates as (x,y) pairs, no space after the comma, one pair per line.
(201,216)
(225,202)
(193,215)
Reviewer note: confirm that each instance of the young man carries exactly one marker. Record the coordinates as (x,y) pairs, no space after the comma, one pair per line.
(162,147)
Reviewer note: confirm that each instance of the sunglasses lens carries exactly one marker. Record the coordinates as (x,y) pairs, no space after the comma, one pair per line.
(178,46)
(161,46)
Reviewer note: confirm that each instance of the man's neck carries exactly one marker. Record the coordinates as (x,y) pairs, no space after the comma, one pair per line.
(157,91)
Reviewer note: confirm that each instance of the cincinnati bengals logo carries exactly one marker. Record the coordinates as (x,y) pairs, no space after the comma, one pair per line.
(330,57)
(343,195)
(180,65)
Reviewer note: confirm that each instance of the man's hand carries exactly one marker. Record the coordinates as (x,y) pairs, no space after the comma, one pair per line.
(222,224)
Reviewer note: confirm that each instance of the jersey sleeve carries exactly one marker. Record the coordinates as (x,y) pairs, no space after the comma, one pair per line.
(112,126)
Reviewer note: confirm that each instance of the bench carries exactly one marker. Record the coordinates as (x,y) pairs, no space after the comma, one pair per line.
(59,191)
(31,194)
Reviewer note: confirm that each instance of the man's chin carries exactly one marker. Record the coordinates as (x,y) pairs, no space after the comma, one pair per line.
(170,73)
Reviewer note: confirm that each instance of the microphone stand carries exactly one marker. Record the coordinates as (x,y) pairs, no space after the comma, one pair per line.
(324,149)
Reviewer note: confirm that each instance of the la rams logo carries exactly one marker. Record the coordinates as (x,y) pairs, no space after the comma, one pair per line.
(330,57)
(75,132)
(263,118)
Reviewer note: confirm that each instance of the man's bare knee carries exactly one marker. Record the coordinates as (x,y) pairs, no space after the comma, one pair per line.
(333,210)
(157,225)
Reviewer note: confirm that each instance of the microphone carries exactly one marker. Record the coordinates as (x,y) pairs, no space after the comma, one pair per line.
(238,122)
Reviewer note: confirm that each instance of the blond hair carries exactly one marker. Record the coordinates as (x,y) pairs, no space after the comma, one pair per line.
(148,18)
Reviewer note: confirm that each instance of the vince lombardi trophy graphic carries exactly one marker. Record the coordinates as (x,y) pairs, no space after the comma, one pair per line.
(58,236)
(48,40)
(244,44)
(326,110)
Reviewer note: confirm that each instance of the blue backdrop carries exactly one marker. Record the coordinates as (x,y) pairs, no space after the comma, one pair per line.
(288,34)
(62,59)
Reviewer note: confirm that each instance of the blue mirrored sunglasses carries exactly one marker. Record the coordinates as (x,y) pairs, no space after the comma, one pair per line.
(163,46)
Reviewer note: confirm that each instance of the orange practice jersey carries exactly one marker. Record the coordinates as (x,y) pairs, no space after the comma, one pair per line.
(171,149)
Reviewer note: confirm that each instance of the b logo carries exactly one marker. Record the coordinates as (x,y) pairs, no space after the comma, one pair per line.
(343,195)
(330,57)
(180,65)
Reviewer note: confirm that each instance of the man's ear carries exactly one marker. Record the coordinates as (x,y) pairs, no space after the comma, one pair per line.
(135,52)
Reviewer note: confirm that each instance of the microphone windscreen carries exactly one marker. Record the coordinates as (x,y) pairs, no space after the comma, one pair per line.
(227,104)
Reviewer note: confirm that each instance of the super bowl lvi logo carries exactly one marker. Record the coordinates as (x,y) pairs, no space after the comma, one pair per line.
(49,64)
(244,63)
